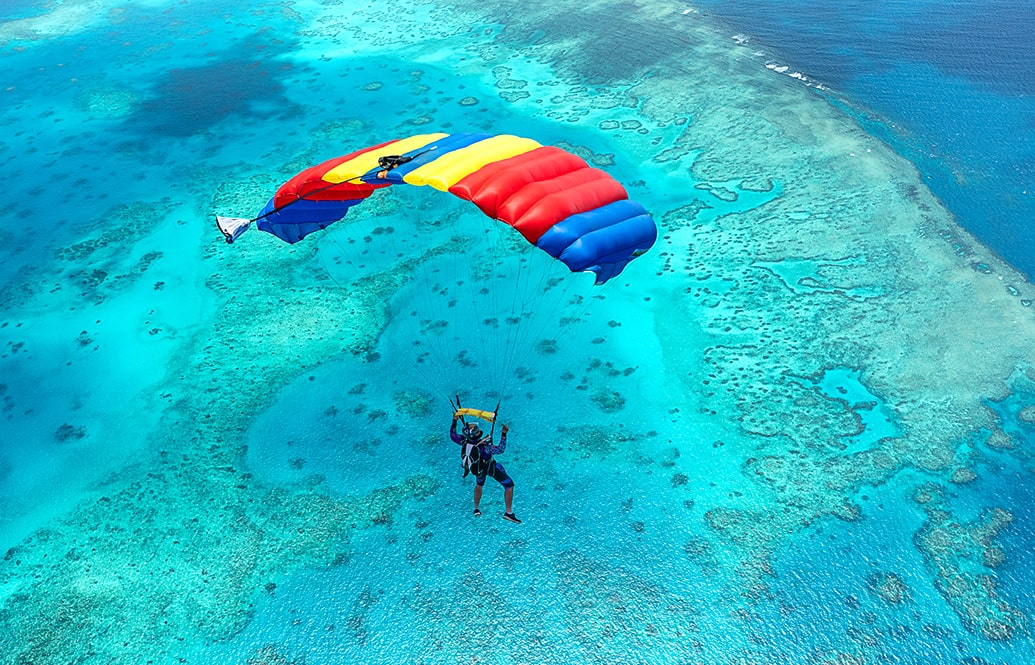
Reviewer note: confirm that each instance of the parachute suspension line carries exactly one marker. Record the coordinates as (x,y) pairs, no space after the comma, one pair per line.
(455,312)
(495,414)
(330,274)
(444,308)
(515,274)
(359,257)
(479,308)
(430,359)
(510,269)
(421,342)
(502,350)
(529,297)
(456,408)
(472,308)
(431,362)
(562,303)
(482,271)
(534,321)
(525,296)
(500,234)
(442,315)
(516,271)
(576,316)
(433,386)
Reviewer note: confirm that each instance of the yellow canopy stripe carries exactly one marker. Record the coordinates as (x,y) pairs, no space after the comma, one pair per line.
(362,164)
(453,166)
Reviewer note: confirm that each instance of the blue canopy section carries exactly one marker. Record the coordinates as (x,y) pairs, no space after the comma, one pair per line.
(302,217)
(602,241)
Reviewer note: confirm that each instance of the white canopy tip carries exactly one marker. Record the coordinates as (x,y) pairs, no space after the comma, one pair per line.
(232,227)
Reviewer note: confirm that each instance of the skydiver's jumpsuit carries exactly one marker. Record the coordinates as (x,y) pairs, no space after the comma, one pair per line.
(487,450)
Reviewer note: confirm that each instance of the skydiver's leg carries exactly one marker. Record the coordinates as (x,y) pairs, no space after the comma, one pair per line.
(479,484)
(500,476)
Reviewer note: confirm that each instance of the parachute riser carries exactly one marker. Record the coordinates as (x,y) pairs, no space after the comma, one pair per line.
(489,416)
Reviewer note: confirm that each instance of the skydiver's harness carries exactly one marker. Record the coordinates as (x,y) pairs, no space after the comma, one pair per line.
(470,450)
(471,457)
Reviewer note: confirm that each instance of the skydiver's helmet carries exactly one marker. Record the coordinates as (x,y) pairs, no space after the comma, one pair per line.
(472,432)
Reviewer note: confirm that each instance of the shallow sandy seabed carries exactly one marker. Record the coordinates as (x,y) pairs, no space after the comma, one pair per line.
(64,19)
(887,286)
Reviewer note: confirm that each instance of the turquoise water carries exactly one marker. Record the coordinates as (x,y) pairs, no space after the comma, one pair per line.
(799,430)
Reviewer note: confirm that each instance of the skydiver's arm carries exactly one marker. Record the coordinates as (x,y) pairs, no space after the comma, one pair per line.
(453,434)
(498,449)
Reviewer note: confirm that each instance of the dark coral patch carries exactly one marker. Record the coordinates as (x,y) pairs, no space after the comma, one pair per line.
(69,432)
(189,101)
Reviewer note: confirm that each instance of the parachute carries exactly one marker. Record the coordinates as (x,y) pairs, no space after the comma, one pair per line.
(476,308)
(577,214)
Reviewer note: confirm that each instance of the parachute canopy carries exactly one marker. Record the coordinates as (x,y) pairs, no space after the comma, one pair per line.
(577,214)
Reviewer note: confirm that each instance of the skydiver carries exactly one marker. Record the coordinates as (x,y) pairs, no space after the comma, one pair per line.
(488,466)
(389,162)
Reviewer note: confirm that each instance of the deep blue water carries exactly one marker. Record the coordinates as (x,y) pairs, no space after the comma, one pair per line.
(950,85)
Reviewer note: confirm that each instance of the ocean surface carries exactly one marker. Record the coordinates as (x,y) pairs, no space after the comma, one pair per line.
(949,85)
(800,430)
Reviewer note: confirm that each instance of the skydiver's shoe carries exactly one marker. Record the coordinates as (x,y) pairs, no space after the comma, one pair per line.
(477,513)
(511,517)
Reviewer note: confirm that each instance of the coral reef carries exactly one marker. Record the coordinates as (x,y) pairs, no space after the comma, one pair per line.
(593,440)
(612,612)
(413,403)
(103,250)
(889,587)
(963,557)
(181,550)
(608,401)
(270,655)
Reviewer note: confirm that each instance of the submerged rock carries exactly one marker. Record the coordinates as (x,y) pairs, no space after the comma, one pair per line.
(889,587)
